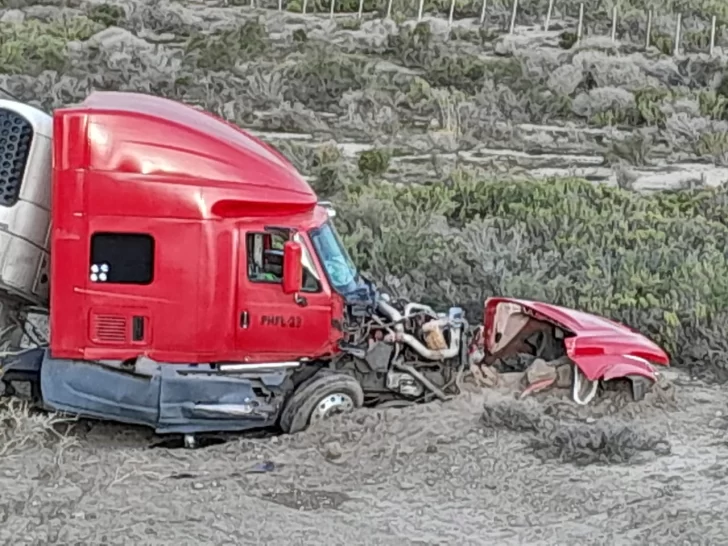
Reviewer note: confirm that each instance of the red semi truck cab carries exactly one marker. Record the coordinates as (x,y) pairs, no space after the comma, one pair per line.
(169,229)
(193,274)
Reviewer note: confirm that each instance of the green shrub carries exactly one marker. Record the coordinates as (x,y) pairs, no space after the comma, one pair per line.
(713,145)
(374,162)
(722,90)
(463,8)
(33,46)
(222,50)
(329,171)
(106,14)
(294,6)
(350,23)
(300,36)
(411,46)
(320,77)
(713,105)
(656,262)
(567,39)
(663,42)
(647,109)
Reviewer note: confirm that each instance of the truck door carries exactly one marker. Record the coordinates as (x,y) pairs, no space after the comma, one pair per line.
(272,325)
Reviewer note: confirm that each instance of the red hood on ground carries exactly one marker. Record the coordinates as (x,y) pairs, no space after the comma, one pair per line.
(602,348)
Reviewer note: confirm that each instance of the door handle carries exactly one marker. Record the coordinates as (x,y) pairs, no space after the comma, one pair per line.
(244,319)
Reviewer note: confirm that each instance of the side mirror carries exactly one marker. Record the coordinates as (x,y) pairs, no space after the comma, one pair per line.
(292,267)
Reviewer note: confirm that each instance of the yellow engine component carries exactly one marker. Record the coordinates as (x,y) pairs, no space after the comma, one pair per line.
(435,339)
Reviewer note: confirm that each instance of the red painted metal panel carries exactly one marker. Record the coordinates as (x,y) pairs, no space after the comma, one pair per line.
(126,162)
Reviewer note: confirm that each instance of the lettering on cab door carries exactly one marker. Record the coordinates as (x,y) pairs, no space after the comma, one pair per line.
(280,321)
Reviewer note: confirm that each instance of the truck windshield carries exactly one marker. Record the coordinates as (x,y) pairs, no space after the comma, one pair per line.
(339,268)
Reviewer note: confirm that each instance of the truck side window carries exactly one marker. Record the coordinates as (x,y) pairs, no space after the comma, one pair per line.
(265,261)
(311,282)
(122,258)
(265,257)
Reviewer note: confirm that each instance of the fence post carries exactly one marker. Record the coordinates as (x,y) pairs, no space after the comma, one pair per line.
(280,5)
(304,6)
(678,28)
(420,10)
(712,36)
(482,12)
(360,11)
(614,24)
(580,27)
(550,9)
(452,13)
(648,39)
(513,17)
(389,9)
(333,7)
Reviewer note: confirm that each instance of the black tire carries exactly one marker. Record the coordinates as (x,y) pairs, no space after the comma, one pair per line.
(299,407)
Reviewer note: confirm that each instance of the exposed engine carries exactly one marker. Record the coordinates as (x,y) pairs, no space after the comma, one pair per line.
(404,352)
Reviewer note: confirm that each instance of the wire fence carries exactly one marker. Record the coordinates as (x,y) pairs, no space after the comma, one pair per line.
(673,34)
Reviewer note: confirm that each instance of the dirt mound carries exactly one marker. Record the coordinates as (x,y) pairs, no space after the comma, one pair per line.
(557,429)
(606,441)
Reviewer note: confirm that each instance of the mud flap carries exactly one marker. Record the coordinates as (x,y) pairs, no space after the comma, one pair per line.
(167,397)
(23,367)
(640,387)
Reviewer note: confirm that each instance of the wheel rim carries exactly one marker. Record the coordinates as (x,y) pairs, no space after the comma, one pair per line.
(331,405)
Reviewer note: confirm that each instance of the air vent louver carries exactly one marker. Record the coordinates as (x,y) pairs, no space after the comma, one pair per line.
(16,135)
(109,328)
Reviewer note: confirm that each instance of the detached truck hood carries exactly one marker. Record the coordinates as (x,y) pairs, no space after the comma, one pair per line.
(600,347)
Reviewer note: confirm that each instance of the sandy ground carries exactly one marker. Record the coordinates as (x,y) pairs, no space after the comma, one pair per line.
(483,469)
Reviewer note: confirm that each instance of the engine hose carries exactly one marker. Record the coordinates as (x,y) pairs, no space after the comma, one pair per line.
(422,379)
(464,346)
(458,376)
(464,357)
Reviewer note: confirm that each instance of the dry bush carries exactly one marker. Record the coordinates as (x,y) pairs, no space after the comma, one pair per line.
(606,440)
(24,430)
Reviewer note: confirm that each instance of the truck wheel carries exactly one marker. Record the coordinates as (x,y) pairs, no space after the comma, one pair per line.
(318,398)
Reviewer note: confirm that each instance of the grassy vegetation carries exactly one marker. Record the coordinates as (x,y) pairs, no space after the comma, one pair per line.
(33,46)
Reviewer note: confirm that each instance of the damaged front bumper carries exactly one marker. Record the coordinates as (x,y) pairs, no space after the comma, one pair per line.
(170,398)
